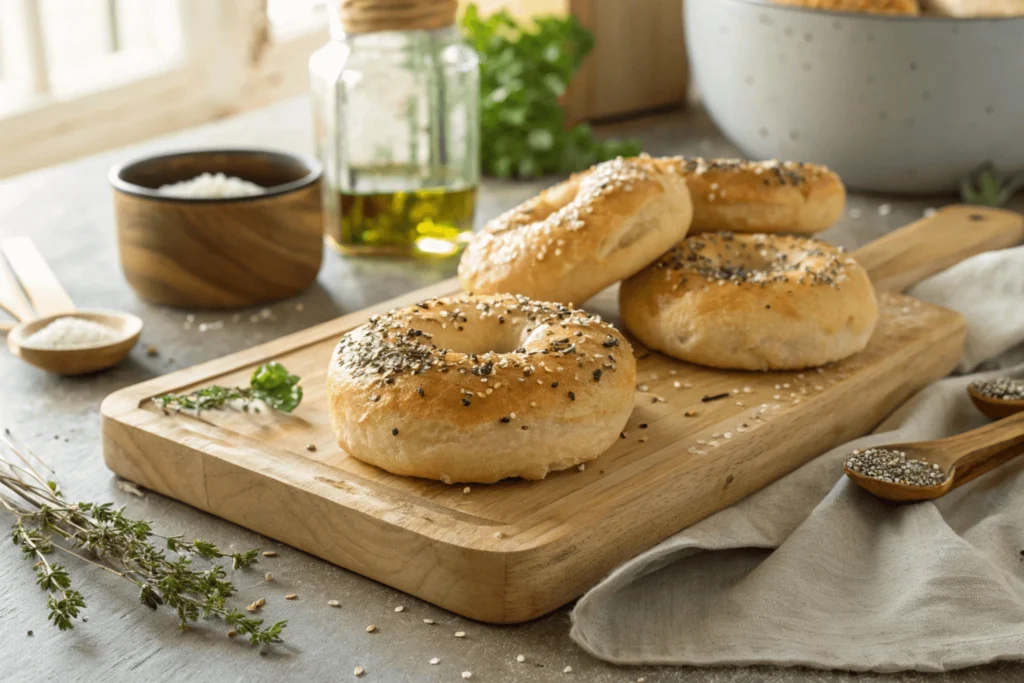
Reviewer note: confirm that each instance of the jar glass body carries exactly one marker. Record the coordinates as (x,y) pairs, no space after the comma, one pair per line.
(398,132)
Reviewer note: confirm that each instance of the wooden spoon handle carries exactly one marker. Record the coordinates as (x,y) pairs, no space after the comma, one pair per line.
(987,447)
(43,288)
(906,256)
(11,298)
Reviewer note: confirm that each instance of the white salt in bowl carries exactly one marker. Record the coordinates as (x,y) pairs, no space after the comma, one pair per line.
(895,104)
(226,252)
(77,360)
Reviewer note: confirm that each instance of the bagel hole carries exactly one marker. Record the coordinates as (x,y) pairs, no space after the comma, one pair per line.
(479,339)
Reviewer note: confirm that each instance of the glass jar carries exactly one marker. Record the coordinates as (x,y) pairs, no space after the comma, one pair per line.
(398,132)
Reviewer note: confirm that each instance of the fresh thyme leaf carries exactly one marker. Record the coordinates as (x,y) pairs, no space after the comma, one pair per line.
(524,70)
(271,383)
(102,535)
(988,187)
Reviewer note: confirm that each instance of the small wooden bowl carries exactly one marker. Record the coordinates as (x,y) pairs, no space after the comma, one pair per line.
(219,253)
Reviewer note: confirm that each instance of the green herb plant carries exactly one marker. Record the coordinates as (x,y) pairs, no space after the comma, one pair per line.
(270,384)
(988,187)
(165,569)
(524,70)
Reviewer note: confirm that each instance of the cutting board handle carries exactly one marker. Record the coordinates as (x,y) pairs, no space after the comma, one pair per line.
(906,256)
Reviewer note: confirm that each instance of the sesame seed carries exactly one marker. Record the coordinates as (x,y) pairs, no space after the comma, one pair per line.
(359,671)
(520,658)
(311,447)
(400,608)
(567,670)
(572,396)
(429,621)
(434,661)
(467,674)
(269,553)
(466,490)
(582,466)
(291,596)
(334,603)
(460,634)
(371,628)
(268,577)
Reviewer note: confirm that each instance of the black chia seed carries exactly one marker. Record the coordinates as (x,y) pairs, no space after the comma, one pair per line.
(886,464)
(1003,389)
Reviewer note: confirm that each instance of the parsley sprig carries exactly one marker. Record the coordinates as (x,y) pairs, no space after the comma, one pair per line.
(524,70)
(270,384)
(988,187)
(184,576)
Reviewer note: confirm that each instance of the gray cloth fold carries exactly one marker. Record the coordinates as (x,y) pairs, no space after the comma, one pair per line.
(813,571)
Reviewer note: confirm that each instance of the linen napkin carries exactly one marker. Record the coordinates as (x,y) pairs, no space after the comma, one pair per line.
(813,571)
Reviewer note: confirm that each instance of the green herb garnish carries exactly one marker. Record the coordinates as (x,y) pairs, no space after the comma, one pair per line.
(47,524)
(988,187)
(270,383)
(523,73)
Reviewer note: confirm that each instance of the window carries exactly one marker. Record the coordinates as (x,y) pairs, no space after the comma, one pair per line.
(80,76)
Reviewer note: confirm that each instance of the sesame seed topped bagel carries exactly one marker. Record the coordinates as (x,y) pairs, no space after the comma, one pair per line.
(480,388)
(752,302)
(761,196)
(582,235)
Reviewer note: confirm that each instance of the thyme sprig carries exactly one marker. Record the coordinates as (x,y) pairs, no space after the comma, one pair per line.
(163,568)
(270,384)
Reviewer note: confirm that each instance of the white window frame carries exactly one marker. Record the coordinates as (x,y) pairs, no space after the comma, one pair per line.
(228,63)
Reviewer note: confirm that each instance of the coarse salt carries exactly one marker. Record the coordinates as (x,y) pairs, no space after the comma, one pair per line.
(71,333)
(211,186)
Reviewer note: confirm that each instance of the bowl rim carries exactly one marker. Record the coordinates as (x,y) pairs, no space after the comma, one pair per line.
(875,16)
(127,187)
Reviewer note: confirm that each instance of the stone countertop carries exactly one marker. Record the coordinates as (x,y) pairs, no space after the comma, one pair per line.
(68,211)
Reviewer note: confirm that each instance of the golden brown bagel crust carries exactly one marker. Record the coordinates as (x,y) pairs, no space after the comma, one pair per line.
(752,302)
(867,6)
(761,196)
(480,388)
(582,235)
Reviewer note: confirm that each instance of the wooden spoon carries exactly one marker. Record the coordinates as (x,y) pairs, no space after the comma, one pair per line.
(995,408)
(962,457)
(50,301)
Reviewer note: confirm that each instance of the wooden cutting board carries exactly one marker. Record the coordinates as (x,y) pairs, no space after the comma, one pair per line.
(512,551)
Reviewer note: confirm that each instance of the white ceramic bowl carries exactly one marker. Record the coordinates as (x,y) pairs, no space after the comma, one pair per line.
(893,104)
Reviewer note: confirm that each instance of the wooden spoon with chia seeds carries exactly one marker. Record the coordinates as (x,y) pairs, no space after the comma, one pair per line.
(998,398)
(928,469)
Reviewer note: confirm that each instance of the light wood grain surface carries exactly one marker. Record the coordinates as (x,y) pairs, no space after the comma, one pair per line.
(68,211)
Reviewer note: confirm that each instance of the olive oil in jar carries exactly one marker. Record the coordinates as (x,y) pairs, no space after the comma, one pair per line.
(429,221)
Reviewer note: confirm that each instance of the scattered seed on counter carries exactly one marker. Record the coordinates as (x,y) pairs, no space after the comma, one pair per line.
(371,628)
(460,634)
(231,634)
(400,608)
(582,466)
(691,413)
(467,674)
(334,603)
(466,490)
(152,351)
(268,577)
(567,670)
(429,622)
(522,658)
(311,447)
(434,661)
(359,671)
(291,596)
(709,398)
(269,553)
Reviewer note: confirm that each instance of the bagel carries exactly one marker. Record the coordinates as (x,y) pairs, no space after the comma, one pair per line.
(582,235)
(480,388)
(751,302)
(761,196)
